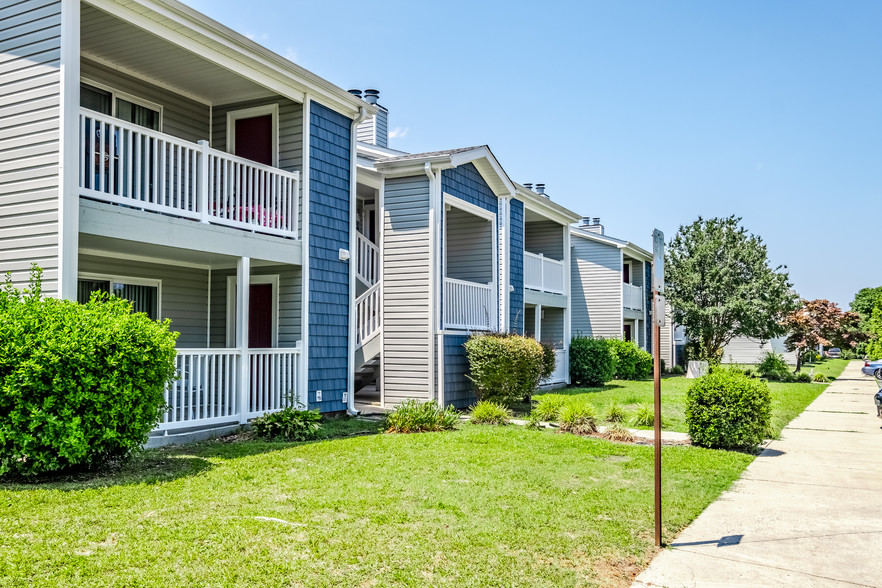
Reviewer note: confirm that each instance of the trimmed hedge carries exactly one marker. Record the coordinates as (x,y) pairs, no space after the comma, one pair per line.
(79,383)
(592,363)
(632,363)
(728,410)
(506,368)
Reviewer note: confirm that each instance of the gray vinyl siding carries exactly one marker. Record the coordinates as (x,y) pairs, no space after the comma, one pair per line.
(637,271)
(406,262)
(183,292)
(596,289)
(290,303)
(30,115)
(375,130)
(751,351)
(553,327)
(468,247)
(290,129)
(545,237)
(181,117)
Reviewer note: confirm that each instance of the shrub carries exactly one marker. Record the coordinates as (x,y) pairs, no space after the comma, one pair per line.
(412,416)
(664,368)
(549,361)
(505,368)
(678,370)
(772,366)
(288,424)
(579,418)
(821,378)
(548,406)
(748,372)
(618,433)
(614,414)
(591,362)
(490,413)
(632,363)
(803,377)
(728,411)
(80,384)
(645,416)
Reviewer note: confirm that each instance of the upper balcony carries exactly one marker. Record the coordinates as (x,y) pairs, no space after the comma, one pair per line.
(124,163)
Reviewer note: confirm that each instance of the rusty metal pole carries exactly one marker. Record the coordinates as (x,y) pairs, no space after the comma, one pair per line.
(656,350)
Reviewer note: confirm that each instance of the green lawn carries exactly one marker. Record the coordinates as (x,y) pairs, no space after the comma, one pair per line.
(481,506)
(788,400)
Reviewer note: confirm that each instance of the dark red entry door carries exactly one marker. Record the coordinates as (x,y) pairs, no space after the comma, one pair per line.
(260,316)
(254,138)
(627,332)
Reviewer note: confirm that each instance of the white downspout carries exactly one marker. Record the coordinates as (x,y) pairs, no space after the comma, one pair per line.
(353,188)
(303,395)
(433,235)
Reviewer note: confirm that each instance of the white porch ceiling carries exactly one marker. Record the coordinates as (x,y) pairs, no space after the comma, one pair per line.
(138,52)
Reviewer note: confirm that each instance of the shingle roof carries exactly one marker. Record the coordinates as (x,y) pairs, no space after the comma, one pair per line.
(429,154)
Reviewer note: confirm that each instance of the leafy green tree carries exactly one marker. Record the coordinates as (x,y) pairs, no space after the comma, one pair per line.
(721,286)
(864,301)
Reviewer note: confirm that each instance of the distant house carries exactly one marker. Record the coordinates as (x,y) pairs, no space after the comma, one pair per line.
(751,351)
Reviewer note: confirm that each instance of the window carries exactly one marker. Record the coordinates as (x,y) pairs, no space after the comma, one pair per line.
(121,106)
(143,294)
(626,273)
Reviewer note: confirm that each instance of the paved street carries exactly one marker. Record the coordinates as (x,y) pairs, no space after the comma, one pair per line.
(807,512)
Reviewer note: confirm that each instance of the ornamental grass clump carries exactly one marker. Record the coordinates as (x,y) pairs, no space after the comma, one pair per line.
(725,410)
(80,384)
(618,432)
(644,417)
(614,413)
(506,368)
(578,417)
(489,413)
(548,406)
(412,416)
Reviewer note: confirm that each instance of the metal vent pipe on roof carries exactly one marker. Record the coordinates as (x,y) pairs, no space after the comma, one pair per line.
(540,189)
(356,93)
(528,185)
(371,96)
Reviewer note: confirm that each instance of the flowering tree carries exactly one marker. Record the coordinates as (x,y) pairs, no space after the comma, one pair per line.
(820,322)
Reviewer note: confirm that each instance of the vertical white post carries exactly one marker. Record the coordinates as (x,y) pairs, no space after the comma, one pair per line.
(69,152)
(243,288)
(537,323)
(202,187)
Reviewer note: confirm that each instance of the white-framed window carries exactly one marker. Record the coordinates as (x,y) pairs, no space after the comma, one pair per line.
(144,294)
(271,110)
(110,101)
(626,272)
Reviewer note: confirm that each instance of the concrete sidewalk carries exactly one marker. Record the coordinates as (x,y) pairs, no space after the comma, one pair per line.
(806,512)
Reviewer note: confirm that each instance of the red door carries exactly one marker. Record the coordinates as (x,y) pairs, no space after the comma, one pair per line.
(260,316)
(254,138)
(627,332)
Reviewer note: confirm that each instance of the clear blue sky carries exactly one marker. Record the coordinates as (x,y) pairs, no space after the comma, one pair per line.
(644,113)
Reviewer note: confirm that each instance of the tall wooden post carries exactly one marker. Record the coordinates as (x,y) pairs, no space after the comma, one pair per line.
(656,350)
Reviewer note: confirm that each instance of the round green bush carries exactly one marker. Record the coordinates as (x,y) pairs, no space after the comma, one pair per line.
(592,363)
(79,383)
(505,368)
(632,363)
(728,410)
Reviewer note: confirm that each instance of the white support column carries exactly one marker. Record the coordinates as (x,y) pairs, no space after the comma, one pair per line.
(69,155)
(243,289)
(568,310)
(537,323)
(202,187)
(303,384)
(637,333)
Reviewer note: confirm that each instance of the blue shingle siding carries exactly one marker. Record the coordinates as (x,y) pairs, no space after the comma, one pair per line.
(516,266)
(458,390)
(328,349)
(466,183)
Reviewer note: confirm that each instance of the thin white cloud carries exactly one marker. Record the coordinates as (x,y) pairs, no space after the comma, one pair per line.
(398,133)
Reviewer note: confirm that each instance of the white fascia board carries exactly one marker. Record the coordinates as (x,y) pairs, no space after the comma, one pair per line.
(547,208)
(636,252)
(372,151)
(368,176)
(576,232)
(413,167)
(196,32)
(489,168)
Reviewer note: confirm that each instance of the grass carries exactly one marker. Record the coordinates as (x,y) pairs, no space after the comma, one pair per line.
(788,400)
(480,506)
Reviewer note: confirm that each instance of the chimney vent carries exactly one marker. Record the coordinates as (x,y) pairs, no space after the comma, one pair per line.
(596,220)
(540,189)
(586,220)
(356,93)
(528,185)
(371,96)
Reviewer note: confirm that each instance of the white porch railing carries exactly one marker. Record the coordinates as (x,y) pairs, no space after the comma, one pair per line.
(367,314)
(561,367)
(209,389)
(131,165)
(468,305)
(543,274)
(632,297)
(367,260)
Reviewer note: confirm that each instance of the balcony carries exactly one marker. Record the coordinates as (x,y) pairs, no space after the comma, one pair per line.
(543,274)
(469,306)
(632,297)
(129,165)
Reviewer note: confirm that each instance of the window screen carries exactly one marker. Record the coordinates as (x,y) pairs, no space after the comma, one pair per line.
(95,99)
(137,114)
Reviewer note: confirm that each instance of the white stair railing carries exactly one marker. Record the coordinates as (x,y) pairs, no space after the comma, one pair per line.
(367,314)
(367,260)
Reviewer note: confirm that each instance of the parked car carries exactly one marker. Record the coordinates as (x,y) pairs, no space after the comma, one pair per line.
(834,353)
(873,368)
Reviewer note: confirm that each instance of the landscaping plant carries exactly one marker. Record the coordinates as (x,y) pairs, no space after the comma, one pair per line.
(632,363)
(592,363)
(548,406)
(412,416)
(505,368)
(645,416)
(489,413)
(288,424)
(773,367)
(727,410)
(618,432)
(821,378)
(614,413)
(80,384)
(578,417)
